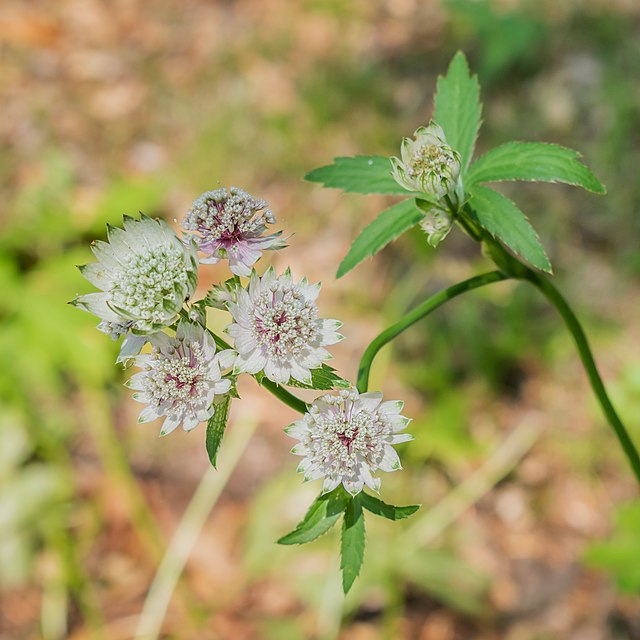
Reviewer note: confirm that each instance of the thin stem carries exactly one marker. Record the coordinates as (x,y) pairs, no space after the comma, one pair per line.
(421,311)
(280,392)
(574,327)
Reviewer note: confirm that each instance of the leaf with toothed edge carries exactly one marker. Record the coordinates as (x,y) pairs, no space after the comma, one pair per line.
(352,543)
(322,379)
(321,516)
(216,427)
(388,511)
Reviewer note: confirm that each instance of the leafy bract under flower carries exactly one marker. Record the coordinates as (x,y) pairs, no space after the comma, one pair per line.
(346,438)
(428,163)
(230,225)
(181,377)
(145,273)
(277,328)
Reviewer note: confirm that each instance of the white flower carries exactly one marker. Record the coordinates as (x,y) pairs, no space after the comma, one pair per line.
(230,225)
(428,163)
(181,377)
(145,273)
(346,438)
(277,329)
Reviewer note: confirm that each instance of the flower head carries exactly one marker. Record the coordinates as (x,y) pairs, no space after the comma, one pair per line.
(230,225)
(277,329)
(428,163)
(346,438)
(145,273)
(180,377)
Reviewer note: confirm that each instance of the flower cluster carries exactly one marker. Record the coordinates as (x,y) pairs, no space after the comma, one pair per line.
(147,275)
(230,224)
(346,438)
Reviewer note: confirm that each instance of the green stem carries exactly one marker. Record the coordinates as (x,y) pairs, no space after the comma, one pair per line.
(416,314)
(574,327)
(278,391)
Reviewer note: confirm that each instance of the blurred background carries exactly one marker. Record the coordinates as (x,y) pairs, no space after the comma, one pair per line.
(530,526)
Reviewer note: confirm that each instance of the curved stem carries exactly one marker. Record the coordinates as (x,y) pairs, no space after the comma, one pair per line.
(579,337)
(280,392)
(416,314)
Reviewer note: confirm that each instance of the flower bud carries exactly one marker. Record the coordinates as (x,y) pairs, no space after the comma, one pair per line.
(428,163)
(437,222)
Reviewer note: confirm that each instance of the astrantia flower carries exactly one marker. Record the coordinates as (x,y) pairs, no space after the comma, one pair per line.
(181,377)
(145,272)
(346,438)
(277,329)
(230,225)
(428,163)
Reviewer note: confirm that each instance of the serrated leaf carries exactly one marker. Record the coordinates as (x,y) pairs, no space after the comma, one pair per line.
(458,109)
(215,428)
(391,223)
(388,511)
(502,218)
(358,174)
(352,544)
(533,161)
(321,516)
(322,379)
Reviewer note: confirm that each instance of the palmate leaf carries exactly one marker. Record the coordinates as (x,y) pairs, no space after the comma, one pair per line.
(533,161)
(322,379)
(352,544)
(502,218)
(388,511)
(321,516)
(215,428)
(458,109)
(386,227)
(358,174)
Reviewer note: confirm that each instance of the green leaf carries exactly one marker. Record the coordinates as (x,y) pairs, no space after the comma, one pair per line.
(458,109)
(215,428)
(358,174)
(322,379)
(534,161)
(352,545)
(386,227)
(388,511)
(320,517)
(502,218)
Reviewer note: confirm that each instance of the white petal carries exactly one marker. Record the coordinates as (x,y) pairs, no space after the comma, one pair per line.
(391,407)
(250,362)
(330,483)
(190,422)
(354,487)
(96,303)
(390,460)
(130,347)
(170,423)
(136,381)
(398,438)
(369,401)
(277,371)
(148,414)
(226,358)
(297,429)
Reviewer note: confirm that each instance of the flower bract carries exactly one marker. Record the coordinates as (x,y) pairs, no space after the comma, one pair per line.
(276,328)
(230,225)
(145,273)
(346,438)
(181,377)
